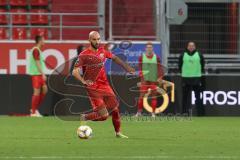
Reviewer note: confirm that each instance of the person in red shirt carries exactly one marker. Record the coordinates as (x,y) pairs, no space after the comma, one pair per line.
(36,70)
(151,74)
(103,100)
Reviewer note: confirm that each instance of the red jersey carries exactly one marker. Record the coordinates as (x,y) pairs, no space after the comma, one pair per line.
(92,64)
(36,54)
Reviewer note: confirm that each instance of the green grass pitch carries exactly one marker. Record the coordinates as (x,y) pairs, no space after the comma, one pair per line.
(51,138)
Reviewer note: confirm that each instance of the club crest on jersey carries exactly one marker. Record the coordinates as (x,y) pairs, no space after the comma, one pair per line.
(101,55)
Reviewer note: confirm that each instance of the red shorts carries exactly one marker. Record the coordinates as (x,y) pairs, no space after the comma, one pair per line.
(102,96)
(148,85)
(38,81)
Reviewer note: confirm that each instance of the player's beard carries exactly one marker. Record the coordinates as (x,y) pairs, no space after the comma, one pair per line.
(95,46)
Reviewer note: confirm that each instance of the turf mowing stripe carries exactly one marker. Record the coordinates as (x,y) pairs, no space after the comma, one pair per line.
(122,157)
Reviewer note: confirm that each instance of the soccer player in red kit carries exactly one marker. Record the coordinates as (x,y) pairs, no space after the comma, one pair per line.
(151,75)
(102,98)
(36,67)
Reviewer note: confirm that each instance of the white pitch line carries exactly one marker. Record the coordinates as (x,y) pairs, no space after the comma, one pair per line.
(120,157)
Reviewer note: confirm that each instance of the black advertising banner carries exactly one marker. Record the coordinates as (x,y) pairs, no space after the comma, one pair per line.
(221,96)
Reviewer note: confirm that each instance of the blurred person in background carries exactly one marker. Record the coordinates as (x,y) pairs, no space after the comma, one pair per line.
(191,67)
(151,74)
(36,70)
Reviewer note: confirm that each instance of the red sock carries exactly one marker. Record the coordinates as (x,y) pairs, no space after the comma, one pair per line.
(154,104)
(140,104)
(35,102)
(94,116)
(42,96)
(116,120)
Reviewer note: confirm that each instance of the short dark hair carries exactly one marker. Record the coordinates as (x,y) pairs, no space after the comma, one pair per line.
(38,38)
(149,43)
(80,49)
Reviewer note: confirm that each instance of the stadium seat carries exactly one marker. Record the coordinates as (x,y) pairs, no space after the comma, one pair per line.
(3,33)
(3,2)
(63,6)
(132,20)
(39,31)
(19,33)
(19,18)
(18,2)
(40,3)
(39,18)
(3,17)
(70,33)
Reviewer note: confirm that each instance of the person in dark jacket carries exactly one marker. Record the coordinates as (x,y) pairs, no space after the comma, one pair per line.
(191,67)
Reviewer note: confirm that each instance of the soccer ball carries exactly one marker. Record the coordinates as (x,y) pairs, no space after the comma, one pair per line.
(84,132)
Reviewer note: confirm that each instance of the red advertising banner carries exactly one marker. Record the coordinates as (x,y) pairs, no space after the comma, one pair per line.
(14,56)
